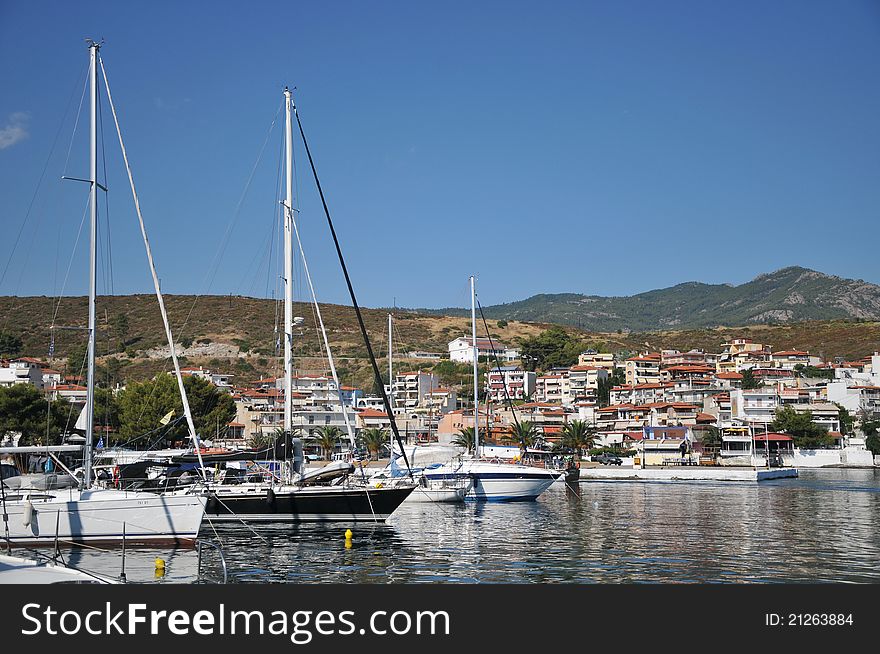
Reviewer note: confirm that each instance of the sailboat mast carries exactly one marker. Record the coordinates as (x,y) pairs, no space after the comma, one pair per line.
(390,381)
(390,371)
(288,268)
(476,368)
(93,255)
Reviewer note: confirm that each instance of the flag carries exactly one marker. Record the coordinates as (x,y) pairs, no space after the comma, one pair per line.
(167,418)
(100,445)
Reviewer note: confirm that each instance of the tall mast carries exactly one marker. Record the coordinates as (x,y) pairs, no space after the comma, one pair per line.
(288,269)
(390,371)
(93,255)
(390,384)
(476,369)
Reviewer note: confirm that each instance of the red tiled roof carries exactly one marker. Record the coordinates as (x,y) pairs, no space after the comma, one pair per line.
(372,413)
(773,437)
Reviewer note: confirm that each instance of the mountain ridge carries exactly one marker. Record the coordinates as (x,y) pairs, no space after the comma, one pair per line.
(788,295)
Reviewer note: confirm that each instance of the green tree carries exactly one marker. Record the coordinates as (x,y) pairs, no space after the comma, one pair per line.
(24,410)
(812,372)
(10,344)
(603,390)
(871,430)
(328,436)
(711,438)
(143,404)
(748,381)
(465,439)
(119,325)
(552,347)
(502,324)
(847,420)
(373,439)
(801,428)
(578,436)
(524,433)
(106,411)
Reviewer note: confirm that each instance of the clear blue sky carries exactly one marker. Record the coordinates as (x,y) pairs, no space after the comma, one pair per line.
(595,147)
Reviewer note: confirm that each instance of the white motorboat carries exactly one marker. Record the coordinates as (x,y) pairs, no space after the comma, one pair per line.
(497,482)
(492,481)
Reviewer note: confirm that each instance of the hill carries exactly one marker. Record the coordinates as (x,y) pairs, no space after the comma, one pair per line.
(788,295)
(236,334)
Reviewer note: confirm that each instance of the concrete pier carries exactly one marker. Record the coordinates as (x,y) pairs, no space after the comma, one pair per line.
(687,473)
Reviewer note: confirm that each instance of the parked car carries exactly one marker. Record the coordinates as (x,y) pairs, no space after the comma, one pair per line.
(608,459)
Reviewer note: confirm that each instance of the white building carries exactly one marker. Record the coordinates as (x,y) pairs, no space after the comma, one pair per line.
(412,388)
(22,371)
(519,383)
(462,350)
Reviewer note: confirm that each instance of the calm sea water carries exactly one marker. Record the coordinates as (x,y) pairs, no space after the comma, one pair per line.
(821,527)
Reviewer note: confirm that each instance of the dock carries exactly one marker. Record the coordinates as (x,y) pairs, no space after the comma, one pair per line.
(686,473)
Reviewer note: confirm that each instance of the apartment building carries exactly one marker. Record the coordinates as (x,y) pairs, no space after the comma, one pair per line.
(644,369)
(518,383)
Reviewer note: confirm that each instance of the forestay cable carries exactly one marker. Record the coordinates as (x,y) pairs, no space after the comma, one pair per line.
(186,410)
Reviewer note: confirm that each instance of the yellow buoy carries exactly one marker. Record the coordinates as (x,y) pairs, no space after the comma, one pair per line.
(348,536)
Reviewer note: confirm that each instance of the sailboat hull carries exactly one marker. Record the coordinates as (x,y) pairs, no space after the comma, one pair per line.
(499,482)
(294,504)
(102,516)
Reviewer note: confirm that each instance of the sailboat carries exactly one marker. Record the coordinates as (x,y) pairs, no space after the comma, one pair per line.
(301,497)
(87,513)
(493,482)
(451,490)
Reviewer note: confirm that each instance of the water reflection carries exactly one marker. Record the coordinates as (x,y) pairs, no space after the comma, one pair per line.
(819,528)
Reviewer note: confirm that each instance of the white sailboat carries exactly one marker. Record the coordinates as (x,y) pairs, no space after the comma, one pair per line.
(492,482)
(86,513)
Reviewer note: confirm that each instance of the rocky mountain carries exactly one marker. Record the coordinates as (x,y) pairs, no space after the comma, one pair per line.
(788,295)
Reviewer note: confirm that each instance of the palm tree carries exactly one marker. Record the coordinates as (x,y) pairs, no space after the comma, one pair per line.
(464,438)
(327,438)
(525,433)
(579,436)
(373,439)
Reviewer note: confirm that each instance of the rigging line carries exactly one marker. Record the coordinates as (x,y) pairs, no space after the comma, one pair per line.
(317,310)
(276,212)
(108,262)
(43,174)
(215,265)
(78,114)
(192,429)
(357,309)
(503,377)
(70,263)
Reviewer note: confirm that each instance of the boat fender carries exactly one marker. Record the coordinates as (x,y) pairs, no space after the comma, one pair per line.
(212,504)
(28,513)
(270,497)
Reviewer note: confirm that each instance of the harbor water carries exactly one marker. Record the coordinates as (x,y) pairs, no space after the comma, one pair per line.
(820,527)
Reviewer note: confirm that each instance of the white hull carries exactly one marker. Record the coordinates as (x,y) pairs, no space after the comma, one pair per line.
(443,495)
(498,482)
(18,570)
(103,516)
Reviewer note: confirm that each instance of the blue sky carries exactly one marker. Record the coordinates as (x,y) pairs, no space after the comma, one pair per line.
(597,147)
